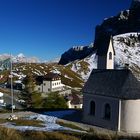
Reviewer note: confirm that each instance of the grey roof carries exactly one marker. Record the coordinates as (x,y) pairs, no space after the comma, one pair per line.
(49,77)
(113,83)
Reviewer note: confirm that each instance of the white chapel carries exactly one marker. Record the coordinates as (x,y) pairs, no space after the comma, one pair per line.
(111,97)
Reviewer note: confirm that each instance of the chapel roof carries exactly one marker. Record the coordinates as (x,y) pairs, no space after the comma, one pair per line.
(113,83)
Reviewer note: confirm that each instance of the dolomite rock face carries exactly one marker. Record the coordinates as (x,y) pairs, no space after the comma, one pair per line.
(125,22)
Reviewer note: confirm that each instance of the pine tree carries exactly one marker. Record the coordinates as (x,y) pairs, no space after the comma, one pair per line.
(28,92)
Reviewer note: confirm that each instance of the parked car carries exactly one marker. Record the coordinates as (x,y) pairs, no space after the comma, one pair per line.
(9,106)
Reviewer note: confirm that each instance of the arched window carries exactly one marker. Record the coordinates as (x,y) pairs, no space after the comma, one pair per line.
(110,55)
(92,108)
(107,112)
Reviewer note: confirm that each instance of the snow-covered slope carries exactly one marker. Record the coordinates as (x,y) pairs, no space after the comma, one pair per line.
(127,50)
(21,70)
(84,67)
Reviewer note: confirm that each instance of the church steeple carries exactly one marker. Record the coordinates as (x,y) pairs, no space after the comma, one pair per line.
(106,55)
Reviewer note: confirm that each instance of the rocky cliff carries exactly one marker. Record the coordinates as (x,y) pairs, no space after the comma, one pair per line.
(125,22)
(76,53)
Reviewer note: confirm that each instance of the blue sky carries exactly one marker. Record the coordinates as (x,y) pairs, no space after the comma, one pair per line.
(47,28)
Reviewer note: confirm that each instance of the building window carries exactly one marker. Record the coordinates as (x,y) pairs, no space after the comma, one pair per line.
(44,84)
(75,107)
(107,112)
(110,55)
(92,108)
(38,89)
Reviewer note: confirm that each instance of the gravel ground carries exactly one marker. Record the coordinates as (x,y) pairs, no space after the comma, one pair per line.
(18,114)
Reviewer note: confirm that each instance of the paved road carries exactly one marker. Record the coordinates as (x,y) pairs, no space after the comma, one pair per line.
(8,100)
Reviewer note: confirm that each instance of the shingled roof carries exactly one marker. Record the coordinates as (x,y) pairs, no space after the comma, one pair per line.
(113,83)
(49,77)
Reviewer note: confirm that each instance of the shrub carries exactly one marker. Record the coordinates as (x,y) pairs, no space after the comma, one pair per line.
(54,100)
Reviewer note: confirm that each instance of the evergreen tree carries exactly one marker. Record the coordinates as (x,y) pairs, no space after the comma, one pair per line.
(54,100)
(29,90)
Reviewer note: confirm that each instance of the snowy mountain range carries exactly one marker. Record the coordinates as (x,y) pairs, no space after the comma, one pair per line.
(20,58)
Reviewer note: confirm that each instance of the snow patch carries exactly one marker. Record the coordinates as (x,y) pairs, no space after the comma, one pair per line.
(49,122)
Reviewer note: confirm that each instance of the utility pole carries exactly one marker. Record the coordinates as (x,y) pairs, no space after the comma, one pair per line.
(11,76)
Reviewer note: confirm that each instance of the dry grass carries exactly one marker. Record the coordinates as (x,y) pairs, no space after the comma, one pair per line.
(22,122)
(3,121)
(49,136)
(11,134)
(69,125)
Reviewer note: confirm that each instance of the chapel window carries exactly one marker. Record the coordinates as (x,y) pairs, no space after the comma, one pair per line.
(92,108)
(107,111)
(110,55)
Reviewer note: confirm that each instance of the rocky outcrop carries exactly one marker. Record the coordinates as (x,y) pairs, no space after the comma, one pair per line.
(125,22)
(76,53)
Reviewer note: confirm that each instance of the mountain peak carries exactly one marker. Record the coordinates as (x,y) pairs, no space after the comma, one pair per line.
(21,55)
(135,4)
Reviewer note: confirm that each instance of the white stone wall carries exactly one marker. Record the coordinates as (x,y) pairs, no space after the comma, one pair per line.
(65,92)
(130,116)
(1,100)
(110,62)
(49,86)
(56,85)
(74,106)
(39,88)
(46,86)
(98,119)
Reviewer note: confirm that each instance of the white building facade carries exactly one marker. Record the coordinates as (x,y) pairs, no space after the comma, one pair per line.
(49,83)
